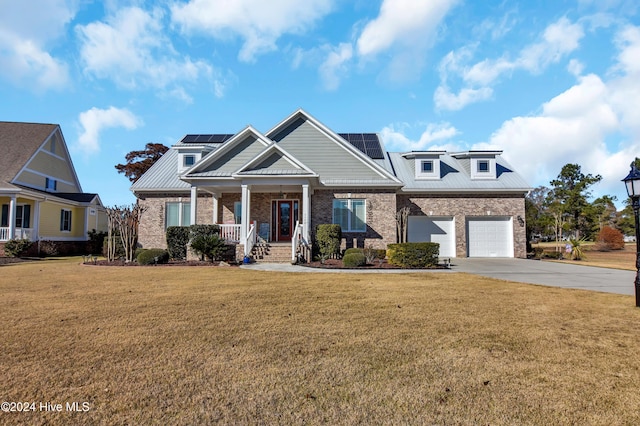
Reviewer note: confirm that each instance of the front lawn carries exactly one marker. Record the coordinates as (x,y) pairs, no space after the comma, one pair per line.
(184,345)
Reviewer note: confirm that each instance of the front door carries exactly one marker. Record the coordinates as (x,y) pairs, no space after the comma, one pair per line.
(286,212)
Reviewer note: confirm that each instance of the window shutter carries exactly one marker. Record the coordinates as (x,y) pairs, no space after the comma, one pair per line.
(26,216)
(5,216)
(62,220)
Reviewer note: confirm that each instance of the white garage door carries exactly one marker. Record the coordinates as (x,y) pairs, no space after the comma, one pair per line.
(439,230)
(490,237)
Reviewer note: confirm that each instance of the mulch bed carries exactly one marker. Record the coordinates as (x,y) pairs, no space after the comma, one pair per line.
(170,263)
(337,264)
(10,260)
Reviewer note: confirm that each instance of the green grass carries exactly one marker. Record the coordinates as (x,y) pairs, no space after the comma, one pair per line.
(200,345)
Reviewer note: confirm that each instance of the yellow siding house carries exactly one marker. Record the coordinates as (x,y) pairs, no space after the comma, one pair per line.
(40,194)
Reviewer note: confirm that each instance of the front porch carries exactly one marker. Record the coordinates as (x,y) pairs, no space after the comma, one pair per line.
(258,217)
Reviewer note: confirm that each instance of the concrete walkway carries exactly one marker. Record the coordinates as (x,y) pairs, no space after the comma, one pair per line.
(519,270)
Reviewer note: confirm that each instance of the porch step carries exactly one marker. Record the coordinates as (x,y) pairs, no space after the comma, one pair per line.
(271,253)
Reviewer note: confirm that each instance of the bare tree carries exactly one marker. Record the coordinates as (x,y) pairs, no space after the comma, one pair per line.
(402,217)
(123,221)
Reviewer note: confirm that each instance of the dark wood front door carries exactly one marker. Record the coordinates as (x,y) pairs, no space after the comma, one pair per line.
(284,220)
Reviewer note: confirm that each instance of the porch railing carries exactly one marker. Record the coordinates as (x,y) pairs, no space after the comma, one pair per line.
(20,233)
(299,246)
(230,233)
(251,240)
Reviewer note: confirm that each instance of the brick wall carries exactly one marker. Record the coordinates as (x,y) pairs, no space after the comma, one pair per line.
(380,214)
(471,206)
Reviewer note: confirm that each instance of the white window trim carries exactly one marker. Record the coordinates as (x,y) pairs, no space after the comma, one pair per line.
(181,216)
(435,169)
(350,208)
(475,168)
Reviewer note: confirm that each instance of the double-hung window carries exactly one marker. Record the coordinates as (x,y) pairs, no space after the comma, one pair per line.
(350,215)
(178,214)
(65,220)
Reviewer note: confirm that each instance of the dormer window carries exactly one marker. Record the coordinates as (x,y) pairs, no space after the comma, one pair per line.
(483,166)
(189,160)
(427,166)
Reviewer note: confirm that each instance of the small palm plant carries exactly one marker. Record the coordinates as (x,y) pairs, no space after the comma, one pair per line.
(577,248)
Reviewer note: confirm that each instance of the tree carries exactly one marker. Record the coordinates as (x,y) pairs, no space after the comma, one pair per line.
(602,212)
(537,216)
(139,162)
(571,190)
(123,224)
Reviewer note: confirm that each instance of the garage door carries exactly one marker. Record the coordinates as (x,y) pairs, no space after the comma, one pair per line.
(490,237)
(433,229)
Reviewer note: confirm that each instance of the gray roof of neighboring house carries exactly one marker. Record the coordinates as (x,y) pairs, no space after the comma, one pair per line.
(163,175)
(455,176)
(18,143)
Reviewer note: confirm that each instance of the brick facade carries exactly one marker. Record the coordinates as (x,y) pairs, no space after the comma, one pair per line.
(463,207)
(380,215)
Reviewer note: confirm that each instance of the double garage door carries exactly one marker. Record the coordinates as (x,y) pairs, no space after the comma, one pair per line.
(486,236)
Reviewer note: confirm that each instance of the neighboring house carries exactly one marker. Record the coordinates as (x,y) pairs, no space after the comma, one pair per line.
(40,195)
(282,184)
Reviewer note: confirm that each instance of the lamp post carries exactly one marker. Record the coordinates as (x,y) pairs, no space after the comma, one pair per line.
(632,182)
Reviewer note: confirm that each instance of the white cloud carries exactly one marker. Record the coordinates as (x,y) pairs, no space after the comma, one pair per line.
(557,41)
(404,29)
(396,140)
(95,120)
(131,48)
(335,65)
(259,23)
(26,31)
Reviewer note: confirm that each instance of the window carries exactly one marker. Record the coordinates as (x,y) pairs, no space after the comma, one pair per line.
(427,166)
(65,220)
(237,212)
(483,166)
(178,214)
(189,160)
(23,216)
(350,215)
(51,184)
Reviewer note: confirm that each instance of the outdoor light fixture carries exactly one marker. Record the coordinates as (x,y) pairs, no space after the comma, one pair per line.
(632,182)
(520,220)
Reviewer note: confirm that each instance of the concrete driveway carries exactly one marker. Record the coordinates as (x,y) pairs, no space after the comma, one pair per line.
(550,273)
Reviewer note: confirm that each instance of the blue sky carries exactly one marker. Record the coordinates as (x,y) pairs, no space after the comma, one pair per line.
(548,82)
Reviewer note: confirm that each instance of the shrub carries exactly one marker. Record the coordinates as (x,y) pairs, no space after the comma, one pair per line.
(119,248)
(153,256)
(328,238)
(138,251)
(177,240)
(609,239)
(17,247)
(354,259)
(210,246)
(538,252)
(48,248)
(352,250)
(413,255)
(195,230)
(96,241)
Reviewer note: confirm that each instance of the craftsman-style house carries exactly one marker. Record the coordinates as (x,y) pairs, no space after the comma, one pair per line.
(40,194)
(276,187)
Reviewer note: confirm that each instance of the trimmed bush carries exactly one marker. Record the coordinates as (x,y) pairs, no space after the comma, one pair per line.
(195,230)
(48,248)
(153,256)
(352,250)
(177,240)
(354,259)
(17,247)
(328,238)
(609,239)
(138,251)
(413,255)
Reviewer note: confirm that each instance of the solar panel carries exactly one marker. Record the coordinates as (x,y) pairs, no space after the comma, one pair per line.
(373,149)
(202,138)
(189,139)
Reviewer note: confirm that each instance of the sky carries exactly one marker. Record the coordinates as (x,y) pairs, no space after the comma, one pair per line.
(548,82)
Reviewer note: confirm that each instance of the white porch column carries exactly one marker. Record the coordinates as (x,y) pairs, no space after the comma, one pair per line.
(306,211)
(12,217)
(35,221)
(246,205)
(194,204)
(215,208)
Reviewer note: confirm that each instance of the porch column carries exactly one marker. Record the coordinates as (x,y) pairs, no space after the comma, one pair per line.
(35,220)
(246,205)
(194,204)
(12,217)
(215,208)
(306,212)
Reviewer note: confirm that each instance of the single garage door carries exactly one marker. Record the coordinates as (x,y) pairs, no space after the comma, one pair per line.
(490,237)
(440,230)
